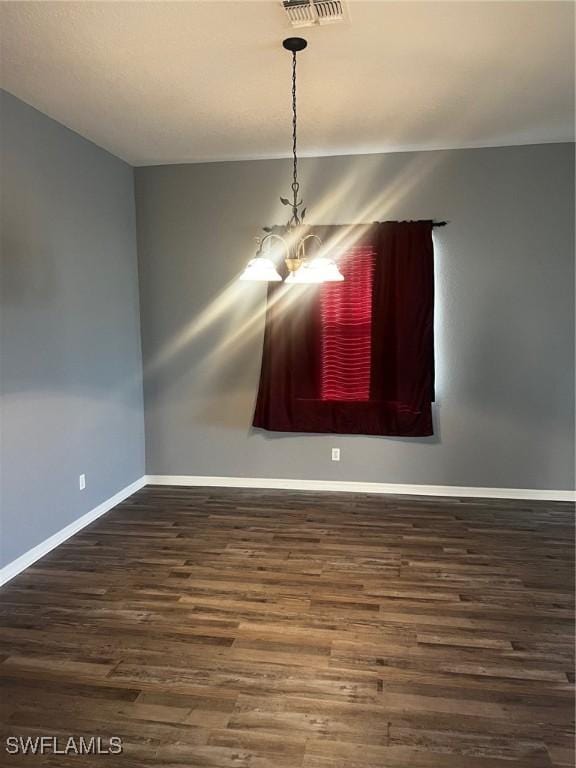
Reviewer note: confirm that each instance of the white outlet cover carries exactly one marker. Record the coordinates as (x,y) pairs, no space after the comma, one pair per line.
(82,482)
(335,454)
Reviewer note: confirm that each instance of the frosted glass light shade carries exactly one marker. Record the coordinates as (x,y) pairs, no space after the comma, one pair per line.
(261,270)
(323,270)
(332,274)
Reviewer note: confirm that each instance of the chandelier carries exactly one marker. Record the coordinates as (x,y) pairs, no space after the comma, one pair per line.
(296,239)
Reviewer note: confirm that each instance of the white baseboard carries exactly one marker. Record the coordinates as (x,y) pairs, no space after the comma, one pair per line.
(25,560)
(350,486)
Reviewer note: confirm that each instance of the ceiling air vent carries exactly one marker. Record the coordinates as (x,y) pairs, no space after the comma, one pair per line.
(308,13)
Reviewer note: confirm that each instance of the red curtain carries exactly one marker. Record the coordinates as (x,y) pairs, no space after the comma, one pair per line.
(355,357)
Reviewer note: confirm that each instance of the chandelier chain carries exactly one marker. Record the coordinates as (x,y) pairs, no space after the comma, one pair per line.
(295,185)
(303,268)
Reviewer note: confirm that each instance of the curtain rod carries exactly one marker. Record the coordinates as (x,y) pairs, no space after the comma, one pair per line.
(434,224)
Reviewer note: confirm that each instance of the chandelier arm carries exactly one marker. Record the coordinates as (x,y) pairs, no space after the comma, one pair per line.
(301,247)
(278,237)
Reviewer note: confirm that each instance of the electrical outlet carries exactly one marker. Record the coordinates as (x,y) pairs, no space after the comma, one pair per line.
(82,482)
(335,454)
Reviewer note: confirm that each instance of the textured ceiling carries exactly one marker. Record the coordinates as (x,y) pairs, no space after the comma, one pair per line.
(167,82)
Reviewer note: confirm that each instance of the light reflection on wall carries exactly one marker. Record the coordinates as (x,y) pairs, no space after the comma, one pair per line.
(440,287)
(240,307)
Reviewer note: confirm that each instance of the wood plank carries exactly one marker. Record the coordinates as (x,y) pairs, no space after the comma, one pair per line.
(230,628)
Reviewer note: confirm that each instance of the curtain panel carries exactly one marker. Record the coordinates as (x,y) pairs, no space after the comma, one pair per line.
(355,357)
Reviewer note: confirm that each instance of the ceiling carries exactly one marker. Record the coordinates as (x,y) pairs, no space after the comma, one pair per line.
(171,82)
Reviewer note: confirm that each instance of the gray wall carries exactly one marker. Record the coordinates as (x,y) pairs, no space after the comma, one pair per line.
(505,314)
(70,375)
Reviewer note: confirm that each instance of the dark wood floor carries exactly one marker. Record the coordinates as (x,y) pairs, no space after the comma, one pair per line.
(271,629)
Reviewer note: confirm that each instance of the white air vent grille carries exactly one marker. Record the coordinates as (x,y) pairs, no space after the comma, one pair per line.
(329,10)
(307,13)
